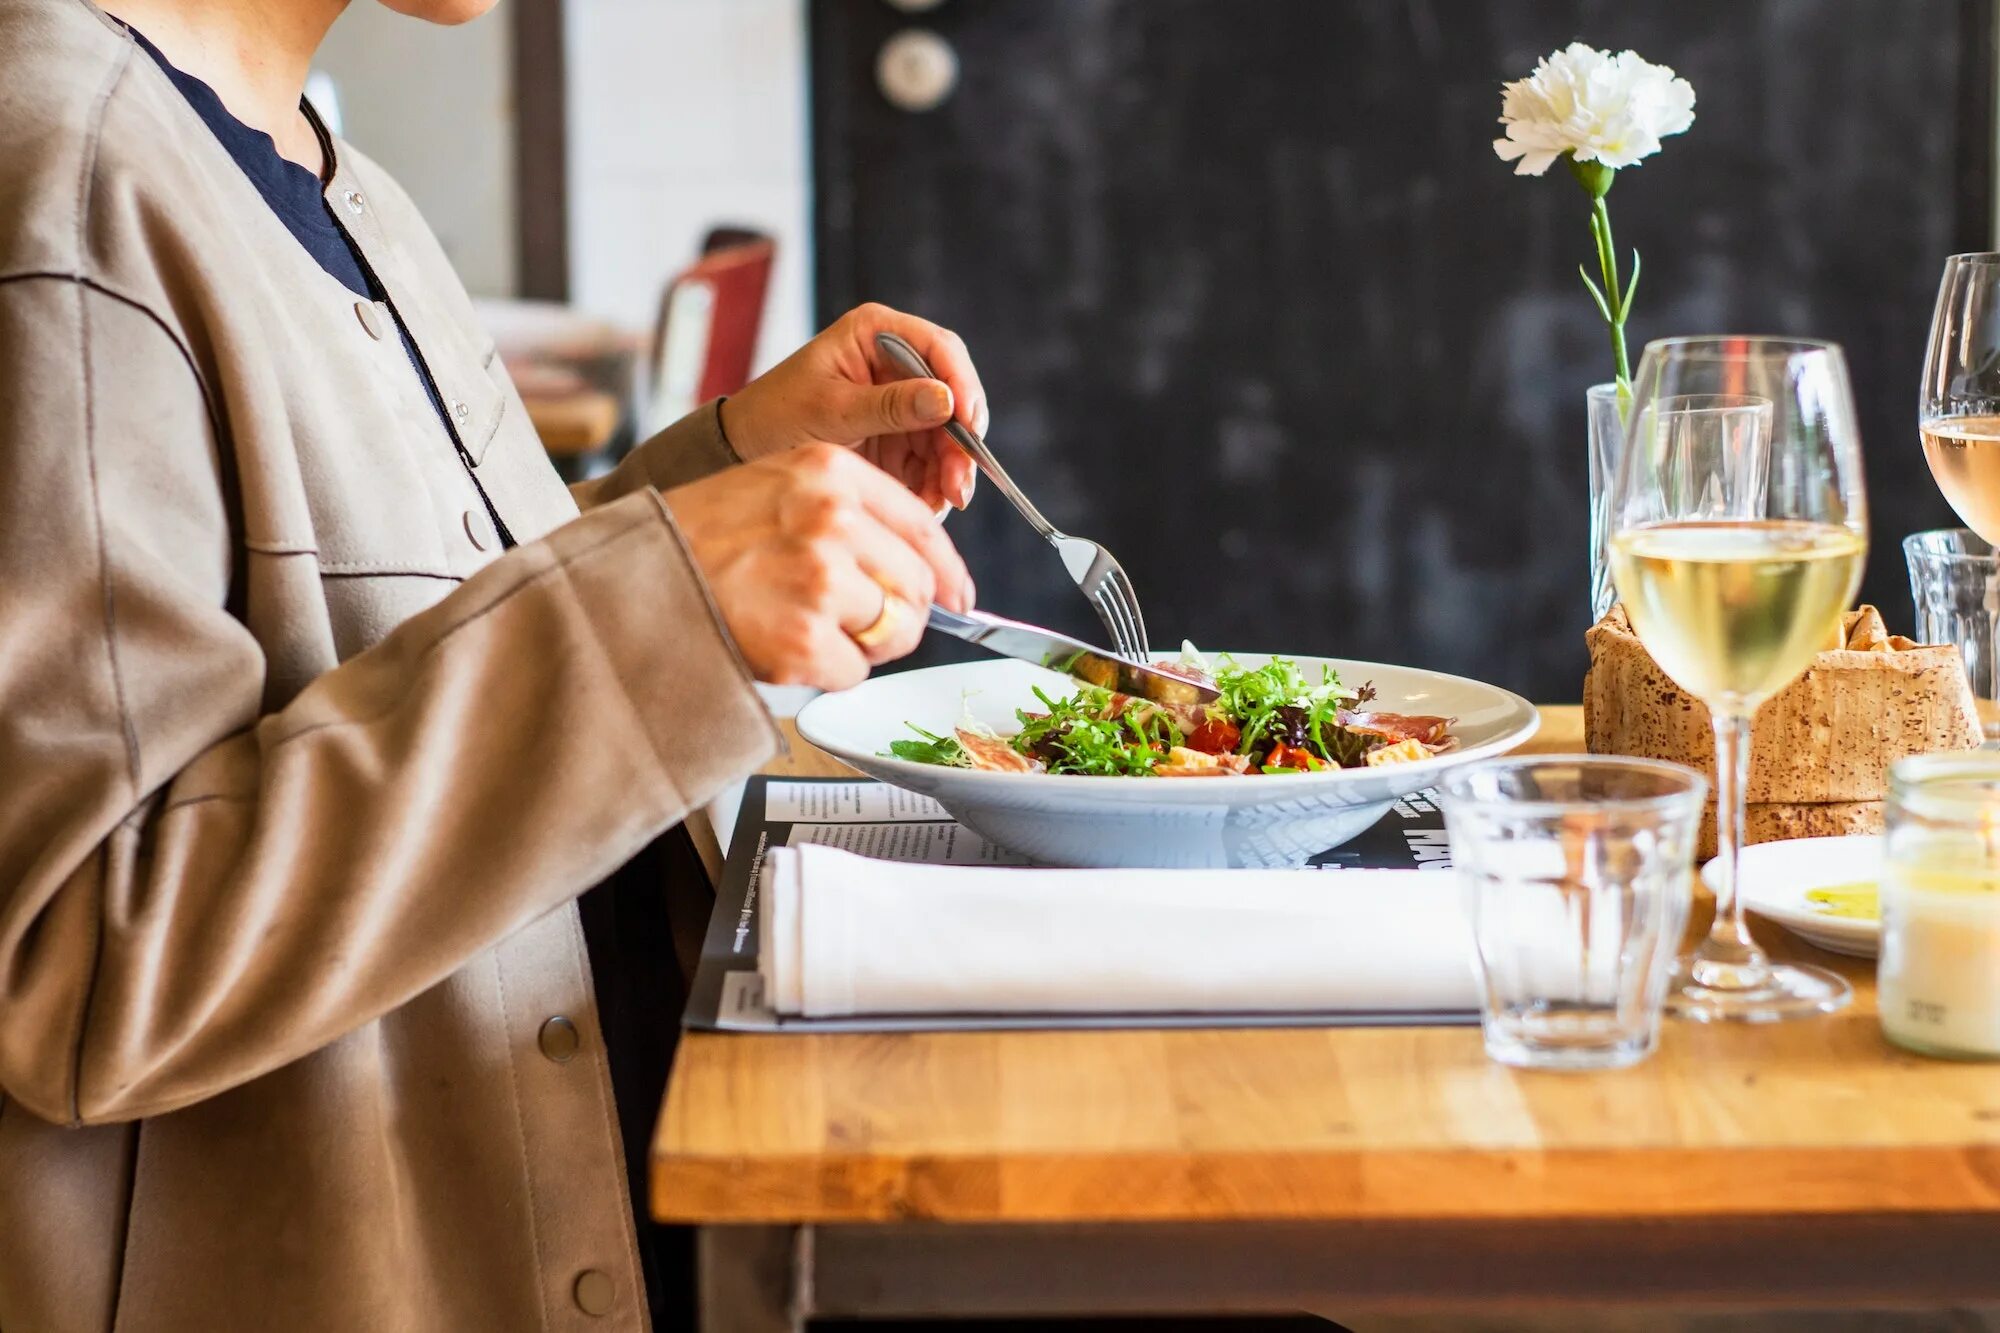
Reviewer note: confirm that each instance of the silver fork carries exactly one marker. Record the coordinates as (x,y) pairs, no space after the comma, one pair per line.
(1101,578)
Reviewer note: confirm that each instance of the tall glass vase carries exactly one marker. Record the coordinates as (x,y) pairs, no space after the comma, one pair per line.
(1607,444)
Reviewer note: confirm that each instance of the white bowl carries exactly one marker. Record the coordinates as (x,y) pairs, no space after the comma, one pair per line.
(1775,878)
(1261,820)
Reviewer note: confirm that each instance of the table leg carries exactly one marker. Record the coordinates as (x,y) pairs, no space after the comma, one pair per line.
(754,1279)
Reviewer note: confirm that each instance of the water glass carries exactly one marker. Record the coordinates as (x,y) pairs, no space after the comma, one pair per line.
(1578,873)
(1955,583)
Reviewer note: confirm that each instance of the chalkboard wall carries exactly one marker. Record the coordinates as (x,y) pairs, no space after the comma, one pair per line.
(1259,308)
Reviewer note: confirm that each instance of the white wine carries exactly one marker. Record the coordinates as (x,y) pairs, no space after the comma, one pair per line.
(1964,454)
(1732,610)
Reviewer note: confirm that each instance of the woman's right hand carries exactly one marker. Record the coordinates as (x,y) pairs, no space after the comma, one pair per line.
(804,550)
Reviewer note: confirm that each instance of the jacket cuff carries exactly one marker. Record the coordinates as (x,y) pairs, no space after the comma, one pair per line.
(690,689)
(692,448)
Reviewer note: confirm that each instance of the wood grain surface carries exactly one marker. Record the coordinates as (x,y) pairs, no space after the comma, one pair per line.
(1812,1118)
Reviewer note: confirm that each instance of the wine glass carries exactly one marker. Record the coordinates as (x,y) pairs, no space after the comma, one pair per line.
(1958,411)
(1739,531)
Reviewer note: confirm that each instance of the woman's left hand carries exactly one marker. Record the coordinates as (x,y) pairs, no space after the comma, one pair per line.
(840,389)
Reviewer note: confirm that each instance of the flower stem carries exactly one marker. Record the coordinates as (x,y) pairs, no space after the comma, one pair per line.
(1614,293)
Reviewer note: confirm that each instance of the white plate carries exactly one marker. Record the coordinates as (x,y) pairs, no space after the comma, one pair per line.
(1776,876)
(1266,820)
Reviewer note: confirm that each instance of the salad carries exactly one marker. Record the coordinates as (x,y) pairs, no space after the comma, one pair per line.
(1268,720)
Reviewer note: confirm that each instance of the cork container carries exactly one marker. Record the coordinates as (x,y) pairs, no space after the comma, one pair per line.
(1819,751)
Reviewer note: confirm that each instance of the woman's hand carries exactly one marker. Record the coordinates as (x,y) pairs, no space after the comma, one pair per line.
(840,389)
(805,550)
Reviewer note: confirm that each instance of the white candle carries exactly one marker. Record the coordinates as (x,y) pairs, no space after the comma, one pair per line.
(1939,975)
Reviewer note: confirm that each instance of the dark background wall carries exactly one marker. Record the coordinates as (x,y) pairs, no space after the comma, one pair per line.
(1259,308)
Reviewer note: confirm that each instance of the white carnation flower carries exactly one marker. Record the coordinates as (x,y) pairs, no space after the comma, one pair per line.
(1590,103)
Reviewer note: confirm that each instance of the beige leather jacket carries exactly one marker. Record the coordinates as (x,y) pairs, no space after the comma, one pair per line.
(299,774)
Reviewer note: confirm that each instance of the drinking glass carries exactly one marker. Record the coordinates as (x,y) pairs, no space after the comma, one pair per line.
(1578,870)
(1735,566)
(1955,586)
(1958,408)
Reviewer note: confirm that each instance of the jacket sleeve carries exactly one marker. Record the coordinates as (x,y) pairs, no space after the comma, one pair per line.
(194,891)
(688,450)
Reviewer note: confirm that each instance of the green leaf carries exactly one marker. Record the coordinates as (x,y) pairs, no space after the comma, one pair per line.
(932,749)
(1625,306)
(1596,294)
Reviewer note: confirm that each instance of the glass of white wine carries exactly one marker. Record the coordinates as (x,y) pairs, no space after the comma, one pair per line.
(1958,413)
(1735,549)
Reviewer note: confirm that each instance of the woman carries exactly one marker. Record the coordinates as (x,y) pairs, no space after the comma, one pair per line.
(320,704)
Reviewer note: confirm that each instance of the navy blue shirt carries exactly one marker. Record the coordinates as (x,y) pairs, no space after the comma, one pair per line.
(299,200)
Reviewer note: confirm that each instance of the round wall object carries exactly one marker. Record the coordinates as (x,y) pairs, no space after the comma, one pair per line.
(916,70)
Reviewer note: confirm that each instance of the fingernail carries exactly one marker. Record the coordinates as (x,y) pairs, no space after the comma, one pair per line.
(934,402)
(971,593)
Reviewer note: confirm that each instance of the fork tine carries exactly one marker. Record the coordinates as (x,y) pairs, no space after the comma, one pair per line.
(1109,619)
(1128,633)
(1119,606)
(1115,615)
(1107,612)
(1130,596)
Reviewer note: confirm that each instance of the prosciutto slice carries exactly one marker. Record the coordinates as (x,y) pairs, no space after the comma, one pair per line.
(995,755)
(1395,728)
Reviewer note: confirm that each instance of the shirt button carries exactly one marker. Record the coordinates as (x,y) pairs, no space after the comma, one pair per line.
(370,317)
(355,203)
(475,530)
(559,1039)
(594,1292)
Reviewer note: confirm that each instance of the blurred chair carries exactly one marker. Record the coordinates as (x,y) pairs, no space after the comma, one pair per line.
(707,331)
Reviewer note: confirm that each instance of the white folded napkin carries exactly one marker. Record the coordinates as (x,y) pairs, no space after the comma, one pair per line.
(843,934)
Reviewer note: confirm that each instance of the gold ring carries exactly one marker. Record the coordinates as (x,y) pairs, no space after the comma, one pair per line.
(879,630)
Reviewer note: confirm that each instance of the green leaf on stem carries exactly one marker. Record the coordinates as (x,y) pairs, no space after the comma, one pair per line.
(1625,305)
(1596,294)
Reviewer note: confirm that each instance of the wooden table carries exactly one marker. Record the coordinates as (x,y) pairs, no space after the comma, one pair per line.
(1806,1164)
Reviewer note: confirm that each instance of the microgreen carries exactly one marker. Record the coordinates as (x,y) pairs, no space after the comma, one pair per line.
(932,749)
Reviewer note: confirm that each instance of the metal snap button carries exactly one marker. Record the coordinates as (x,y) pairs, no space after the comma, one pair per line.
(560,1040)
(475,532)
(355,202)
(461,409)
(370,317)
(595,1292)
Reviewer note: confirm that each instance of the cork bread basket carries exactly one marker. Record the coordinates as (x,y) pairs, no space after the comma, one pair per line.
(1819,751)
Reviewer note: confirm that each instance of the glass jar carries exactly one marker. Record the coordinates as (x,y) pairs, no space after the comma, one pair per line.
(1938,979)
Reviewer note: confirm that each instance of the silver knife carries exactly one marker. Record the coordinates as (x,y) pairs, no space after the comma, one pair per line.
(1059,652)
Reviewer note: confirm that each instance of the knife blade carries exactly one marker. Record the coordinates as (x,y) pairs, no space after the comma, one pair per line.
(1059,652)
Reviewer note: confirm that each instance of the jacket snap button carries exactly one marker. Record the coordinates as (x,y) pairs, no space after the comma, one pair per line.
(594,1293)
(460,410)
(370,317)
(354,200)
(559,1039)
(475,531)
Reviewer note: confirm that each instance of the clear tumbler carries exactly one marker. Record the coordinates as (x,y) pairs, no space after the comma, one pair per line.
(1955,583)
(1578,873)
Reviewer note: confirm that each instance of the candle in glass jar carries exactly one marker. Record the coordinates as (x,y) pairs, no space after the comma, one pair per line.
(1938,980)
(1939,987)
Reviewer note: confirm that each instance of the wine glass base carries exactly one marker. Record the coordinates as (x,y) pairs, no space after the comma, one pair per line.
(1773,993)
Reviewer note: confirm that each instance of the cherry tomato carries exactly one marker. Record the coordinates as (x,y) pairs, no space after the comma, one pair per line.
(1215,735)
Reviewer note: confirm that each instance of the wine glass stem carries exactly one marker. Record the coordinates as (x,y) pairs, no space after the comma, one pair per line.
(1732,958)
